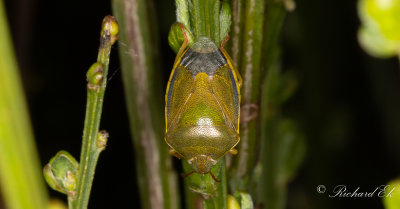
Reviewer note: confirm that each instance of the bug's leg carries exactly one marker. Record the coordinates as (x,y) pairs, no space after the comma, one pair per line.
(187,174)
(175,153)
(238,76)
(215,179)
(233,151)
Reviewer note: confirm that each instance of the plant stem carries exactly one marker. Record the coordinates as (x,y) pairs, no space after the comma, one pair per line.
(182,13)
(275,15)
(90,150)
(205,19)
(269,113)
(144,99)
(283,145)
(268,192)
(20,175)
(247,38)
(213,194)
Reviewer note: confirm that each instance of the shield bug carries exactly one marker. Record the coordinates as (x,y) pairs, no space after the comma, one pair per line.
(202,105)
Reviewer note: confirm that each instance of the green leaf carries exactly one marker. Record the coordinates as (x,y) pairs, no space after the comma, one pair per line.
(22,184)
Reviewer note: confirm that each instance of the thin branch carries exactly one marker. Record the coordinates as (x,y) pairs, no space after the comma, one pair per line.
(91,146)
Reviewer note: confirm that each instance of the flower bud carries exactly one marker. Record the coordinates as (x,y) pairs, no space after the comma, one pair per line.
(102,138)
(110,27)
(176,37)
(94,75)
(232,203)
(60,173)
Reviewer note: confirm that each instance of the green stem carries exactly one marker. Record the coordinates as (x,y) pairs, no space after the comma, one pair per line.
(247,38)
(269,194)
(205,19)
(20,176)
(283,145)
(275,15)
(237,25)
(90,148)
(213,194)
(182,13)
(144,99)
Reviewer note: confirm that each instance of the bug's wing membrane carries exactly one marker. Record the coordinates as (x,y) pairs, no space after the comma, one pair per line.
(225,89)
(180,87)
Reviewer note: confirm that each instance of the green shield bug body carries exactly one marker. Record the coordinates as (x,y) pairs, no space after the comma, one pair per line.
(202,105)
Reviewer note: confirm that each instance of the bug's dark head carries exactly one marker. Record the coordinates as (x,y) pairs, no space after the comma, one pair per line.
(202,163)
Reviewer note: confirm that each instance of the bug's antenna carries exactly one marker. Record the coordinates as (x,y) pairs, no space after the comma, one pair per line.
(215,179)
(188,174)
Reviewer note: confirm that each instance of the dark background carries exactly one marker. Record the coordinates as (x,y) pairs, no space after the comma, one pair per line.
(347,102)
